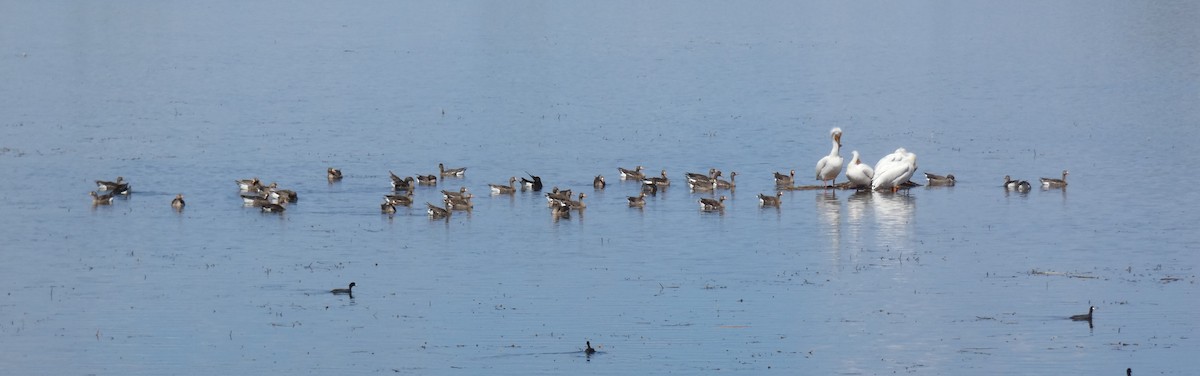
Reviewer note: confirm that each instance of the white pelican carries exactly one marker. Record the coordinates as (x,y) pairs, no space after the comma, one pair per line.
(859,173)
(1055,183)
(830,166)
(894,169)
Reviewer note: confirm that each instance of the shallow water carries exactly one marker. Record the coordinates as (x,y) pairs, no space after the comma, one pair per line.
(184,98)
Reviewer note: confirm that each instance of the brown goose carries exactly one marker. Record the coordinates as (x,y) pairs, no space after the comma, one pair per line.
(462,192)
(401,199)
(509,189)
(401,184)
(637,201)
(1056,183)
(722,184)
(427,179)
(934,179)
(333,174)
(438,212)
(178,202)
(765,200)
(272,208)
(598,182)
(711,204)
(785,180)
(634,174)
(387,208)
(661,181)
(110,185)
(459,172)
(98,199)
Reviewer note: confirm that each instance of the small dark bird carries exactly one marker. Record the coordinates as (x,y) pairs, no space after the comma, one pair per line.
(1087,317)
(178,203)
(598,182)
(333,174)
(534,185)
(347,291)
(589,350)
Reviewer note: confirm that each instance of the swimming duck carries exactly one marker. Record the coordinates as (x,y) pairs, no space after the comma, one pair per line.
(1055,183)
(333,174)
(859,174)
(702,178)
(178,202)
(427,179)
(348,291)
(598,182)
(560,210)
(1009,183)
(830,166)
(934,179)
(650,188)
(402,184)
(462,192)
(533,185)
(662,181)
(1023,186)
(634,174)
(785,180)
(98,199)
(711,204)
(576,204)
(637,201)
(765,200)
(459,172)
(509,189)
(557,195)
(438,212)
(589,350)
(1085,317)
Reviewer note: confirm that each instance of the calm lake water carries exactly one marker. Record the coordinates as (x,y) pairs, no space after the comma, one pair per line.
(187,97)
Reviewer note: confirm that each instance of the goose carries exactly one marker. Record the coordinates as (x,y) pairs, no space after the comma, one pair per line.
(427,179)
(576,204)
(533,185)
(933,179)
(386,207)
(662,181)
(498,189)
(459,172)
(402,200)
(98,199)
(348,290)
(178,202)
(650,188)
(247,185)
(1085,317)
(637,201)
(438,212)
(598,182)
(1056,183)
(711,204)
(459,203)
(634,174)
(765,200)
(830,166)
(893,170)
(333,174)
(557,195)
(726,184)
(785,180)
(462,192)
(110,185)
(285,195)
(399,184)
(272,208)
(859,173)
(698,177)
(560,210)
(702,186)
(122,189)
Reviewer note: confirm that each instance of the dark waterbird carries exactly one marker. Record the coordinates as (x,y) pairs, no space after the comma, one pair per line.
(1085,317)
(534,185)
(589,350)
(348,290)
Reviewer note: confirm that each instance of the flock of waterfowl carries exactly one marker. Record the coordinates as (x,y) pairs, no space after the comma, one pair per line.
(892,173)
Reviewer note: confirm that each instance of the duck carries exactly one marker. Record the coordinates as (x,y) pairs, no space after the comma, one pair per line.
(387,207)
(702,185)
(934,179)
(637,201)
(402,200)
(462,192)
(700,178)
(178,202)
(722,184)
(1085,317)
(650,188)
(400,184)
(438,212)
(589,350)
(1009,183)
(894,170)
(785,180)
(285,195)
(348,290)
(533,185)
(1023,186)
(110,185)
(576,204)
(427,179)
(1056,183)
(598,182)
(98,199)
(459,203)
(712,204)
(859,174)
(122,189)
(333,174)
(662,181)
(498,189)
(765,200)
(634,174)
(830,166)
(557,195)
(459,172)
(560,209)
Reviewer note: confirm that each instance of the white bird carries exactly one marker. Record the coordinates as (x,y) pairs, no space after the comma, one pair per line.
(894,169)
(859,173)
(830,166)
